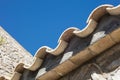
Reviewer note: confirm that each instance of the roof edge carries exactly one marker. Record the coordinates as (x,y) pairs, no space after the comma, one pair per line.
(67,34)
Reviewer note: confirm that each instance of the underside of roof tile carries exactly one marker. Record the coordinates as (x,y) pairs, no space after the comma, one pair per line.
(100,36)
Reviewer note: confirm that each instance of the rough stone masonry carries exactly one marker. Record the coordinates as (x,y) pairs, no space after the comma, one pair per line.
(11,54)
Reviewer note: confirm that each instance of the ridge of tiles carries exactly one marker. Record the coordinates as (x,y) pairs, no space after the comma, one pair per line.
(90,51)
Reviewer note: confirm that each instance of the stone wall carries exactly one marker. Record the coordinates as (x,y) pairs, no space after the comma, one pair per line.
(11,54)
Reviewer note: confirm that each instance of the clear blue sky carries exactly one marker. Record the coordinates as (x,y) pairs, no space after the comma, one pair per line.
(35,23)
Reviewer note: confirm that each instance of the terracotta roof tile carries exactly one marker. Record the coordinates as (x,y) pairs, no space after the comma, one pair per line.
(76,60)
(83,56)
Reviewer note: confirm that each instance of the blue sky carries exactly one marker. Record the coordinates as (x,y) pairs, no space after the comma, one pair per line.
(35,23)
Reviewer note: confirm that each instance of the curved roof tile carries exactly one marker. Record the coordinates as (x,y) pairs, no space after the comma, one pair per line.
(87,30)
(92,21)
(113,10)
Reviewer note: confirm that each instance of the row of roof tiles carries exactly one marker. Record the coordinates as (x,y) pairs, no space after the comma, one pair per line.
(79,58)
(83,56)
